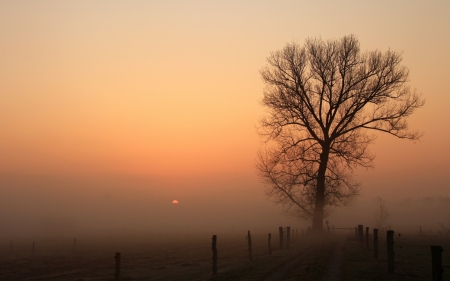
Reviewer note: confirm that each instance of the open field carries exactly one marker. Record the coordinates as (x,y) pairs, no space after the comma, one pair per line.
(412,259)
(176,257)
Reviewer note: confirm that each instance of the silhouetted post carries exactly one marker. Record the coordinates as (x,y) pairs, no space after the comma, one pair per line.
(280,231)
(214,258)
(436,262)
(375,243)
(32,253)
(117,275)
(367,238)
(390,250)
(249,240)
(74,244)
(270,247)
(288,236)
(361,233)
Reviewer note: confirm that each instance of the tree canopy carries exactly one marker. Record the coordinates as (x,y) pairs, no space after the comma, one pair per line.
(322,99)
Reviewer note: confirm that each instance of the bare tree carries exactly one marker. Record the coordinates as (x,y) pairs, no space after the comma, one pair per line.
(322,99)
(381,215)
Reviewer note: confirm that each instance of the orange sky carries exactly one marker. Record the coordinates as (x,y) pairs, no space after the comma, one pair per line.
(171,89)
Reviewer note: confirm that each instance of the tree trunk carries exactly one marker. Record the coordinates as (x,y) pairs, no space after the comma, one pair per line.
(320,192)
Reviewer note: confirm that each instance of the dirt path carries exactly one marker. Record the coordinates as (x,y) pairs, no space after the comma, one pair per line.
(309,264)
(334,270)
(283,271)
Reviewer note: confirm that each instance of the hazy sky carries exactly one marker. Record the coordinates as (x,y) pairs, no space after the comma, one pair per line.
(127,105)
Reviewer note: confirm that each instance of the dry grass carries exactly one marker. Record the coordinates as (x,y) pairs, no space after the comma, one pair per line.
(190,258)
(412,259)
(168,259)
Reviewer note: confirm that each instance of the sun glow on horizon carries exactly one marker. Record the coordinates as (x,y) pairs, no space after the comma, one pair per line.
(119,89)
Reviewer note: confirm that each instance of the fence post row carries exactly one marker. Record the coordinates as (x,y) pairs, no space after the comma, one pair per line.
(214,258)
(436,262)
(270,247)
(288,236)
(280,230)
(367,238)
(249,240)
(390,250)
(117,275)
(361,233)
(375,243)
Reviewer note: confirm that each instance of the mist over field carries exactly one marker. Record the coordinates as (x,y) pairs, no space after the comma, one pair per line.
(37,206)
(133,205)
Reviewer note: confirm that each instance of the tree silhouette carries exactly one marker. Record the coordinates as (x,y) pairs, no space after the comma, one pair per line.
(322,99)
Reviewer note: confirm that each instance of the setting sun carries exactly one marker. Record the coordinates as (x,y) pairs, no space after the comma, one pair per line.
(175,202)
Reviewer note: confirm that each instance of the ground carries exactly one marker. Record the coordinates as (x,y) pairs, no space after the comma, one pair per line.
(329,257)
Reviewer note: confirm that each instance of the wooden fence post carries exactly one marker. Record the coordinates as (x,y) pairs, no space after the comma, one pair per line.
(375,243)
(280,231)
(288,236)
(270,247)
(436,262)
(390,250)
(249,240)
(367,238)
(214,250)
(361,233)
(117,275)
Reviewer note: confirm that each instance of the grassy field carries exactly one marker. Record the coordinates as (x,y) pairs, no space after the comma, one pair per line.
(412,255)
(165,258)
(190,258)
